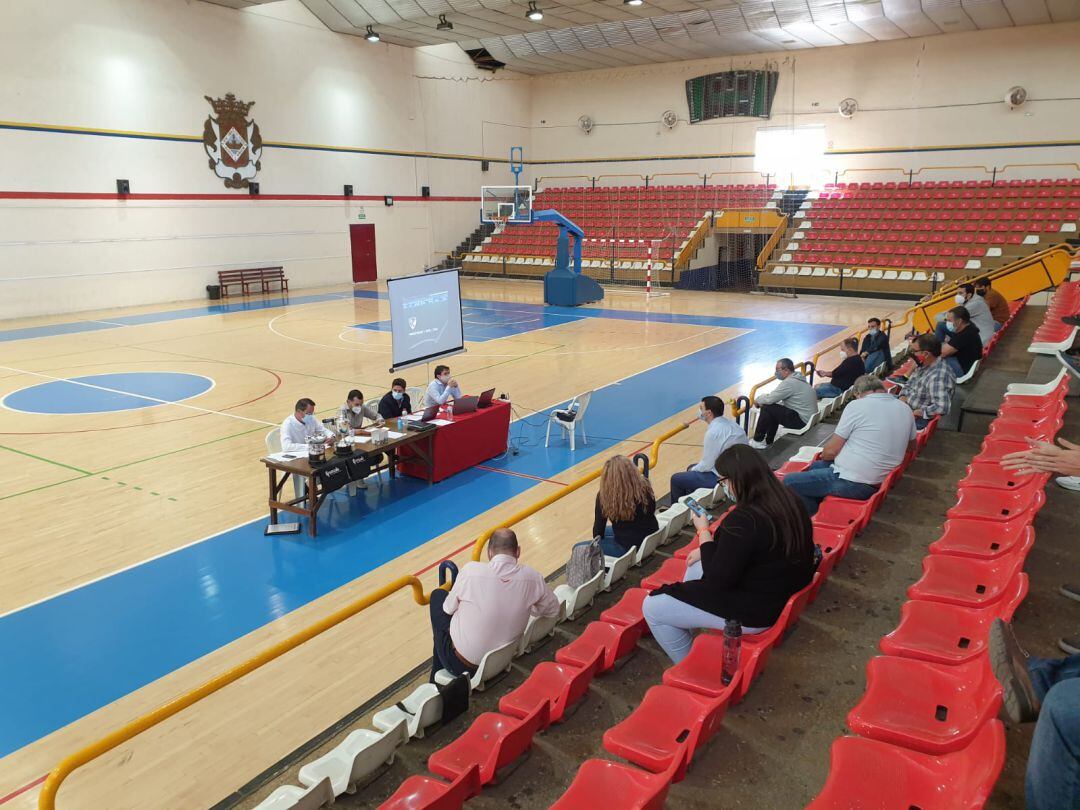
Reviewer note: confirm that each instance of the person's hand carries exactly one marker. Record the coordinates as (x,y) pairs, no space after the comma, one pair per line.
(452,383)
(864,355)
(693,557)
(1045,457)
(917,414)
(701,523)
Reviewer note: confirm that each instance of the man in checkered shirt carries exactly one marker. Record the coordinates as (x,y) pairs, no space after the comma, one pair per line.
(929,390)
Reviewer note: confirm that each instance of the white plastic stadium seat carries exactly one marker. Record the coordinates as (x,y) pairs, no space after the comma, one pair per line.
(808,452)
(576,408)
(703,495)
(578,599)
(290,797)
(1054,348)
(494,664)
(649,546)
(970,373)
(538,629)
(783,431)
(672,520)
(423,708)
(615,568)
(1033,389)
(358,758)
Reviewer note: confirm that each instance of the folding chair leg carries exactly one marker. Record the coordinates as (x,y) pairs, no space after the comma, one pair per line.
(584,438)
(573,432)
(547,436)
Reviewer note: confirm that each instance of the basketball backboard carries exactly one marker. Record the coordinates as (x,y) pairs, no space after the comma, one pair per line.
(506,204)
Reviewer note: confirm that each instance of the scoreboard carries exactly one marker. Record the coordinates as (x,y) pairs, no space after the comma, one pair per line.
(744,93)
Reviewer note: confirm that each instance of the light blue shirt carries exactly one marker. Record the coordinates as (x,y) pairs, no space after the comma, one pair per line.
(721,434)
(438,394)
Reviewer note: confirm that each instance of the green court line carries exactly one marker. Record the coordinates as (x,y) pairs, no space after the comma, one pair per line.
(46,460)
(43,486)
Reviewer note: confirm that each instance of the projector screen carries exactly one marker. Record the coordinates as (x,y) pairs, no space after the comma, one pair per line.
(425,318)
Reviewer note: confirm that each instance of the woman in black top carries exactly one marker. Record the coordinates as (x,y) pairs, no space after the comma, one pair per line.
(626,499)
(761,554)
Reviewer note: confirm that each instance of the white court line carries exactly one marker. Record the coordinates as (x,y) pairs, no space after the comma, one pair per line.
(138,396)
(110,323)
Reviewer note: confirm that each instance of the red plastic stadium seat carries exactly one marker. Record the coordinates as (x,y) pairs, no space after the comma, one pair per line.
(1017,430)
(994,450)
(425,793)
(492,742)
(667,727)
(943,634)
(836,541)
(627,611)
(964,581)
(616,641)
(672,571)
(999,505)
(994,476)
(984,540)
(560,686)
(600,781)
(841,513)
(899,778)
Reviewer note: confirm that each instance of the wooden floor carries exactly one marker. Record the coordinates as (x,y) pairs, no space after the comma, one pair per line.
(89,495)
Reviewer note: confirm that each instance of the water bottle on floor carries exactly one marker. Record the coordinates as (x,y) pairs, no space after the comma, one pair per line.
(732,642)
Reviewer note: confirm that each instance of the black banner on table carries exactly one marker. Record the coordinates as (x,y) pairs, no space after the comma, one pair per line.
(333,476)
(359,467)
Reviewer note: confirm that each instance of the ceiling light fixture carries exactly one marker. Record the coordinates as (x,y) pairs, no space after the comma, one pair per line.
(371,36)
(534,13)
(633,2)
(444,24)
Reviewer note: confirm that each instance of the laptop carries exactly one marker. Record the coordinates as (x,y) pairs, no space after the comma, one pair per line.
(465,404)
(485,398)
(429,413)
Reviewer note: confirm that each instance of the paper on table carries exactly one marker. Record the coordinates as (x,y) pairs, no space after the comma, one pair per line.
(440,422)
(412,417)
(285,456)
(394,435)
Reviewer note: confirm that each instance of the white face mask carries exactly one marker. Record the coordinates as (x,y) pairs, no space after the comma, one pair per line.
(358,409)
(960,298)
(727,491)
(444,379)
(872,330)
(398,395)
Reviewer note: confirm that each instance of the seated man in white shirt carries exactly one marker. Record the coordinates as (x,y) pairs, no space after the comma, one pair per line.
(875,432)
(719,436)
(295,432)
(442,389)
(488,607)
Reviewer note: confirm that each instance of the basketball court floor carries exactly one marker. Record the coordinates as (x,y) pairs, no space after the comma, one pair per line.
(135,565)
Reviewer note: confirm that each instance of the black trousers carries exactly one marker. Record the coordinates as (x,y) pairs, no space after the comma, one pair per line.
(443,656)
(771,418)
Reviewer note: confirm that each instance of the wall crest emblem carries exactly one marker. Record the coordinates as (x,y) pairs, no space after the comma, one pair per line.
(232,141)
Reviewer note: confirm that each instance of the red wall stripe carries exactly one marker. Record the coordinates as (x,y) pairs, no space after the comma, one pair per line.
(93,195)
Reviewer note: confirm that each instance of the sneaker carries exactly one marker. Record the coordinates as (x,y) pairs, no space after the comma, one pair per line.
(1071,591)
(1009,662)
(361,484)
(1071,646)
(1070,362)
(758,445)
(1069,482)
(1071,320)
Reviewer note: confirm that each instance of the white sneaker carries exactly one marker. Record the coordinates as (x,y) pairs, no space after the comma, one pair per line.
(361,484)
(758,445)
(1069,482)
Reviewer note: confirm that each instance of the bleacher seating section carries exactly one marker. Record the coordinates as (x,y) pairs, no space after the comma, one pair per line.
(927,717)
(630,220)
(901,235)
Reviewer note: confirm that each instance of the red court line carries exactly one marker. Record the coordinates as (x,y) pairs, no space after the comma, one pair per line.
(23,789)
(521,475)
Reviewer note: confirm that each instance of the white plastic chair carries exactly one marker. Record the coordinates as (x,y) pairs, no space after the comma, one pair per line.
(578,599)
(492,665)
(970,373)
(576,408)
(808,452)
(1035,389)
(416,396)
(672,520)
(615,568)
(1053,348)
(290,797)
(538,629)
(813,420)
(649,546)
(356,760)
(703,495)
(423,708)
(273,445)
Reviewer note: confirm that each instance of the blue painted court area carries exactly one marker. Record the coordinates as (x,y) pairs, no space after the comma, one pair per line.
(83,649)
(481,323)
(104,393)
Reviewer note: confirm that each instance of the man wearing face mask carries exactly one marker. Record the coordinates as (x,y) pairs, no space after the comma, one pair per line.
(963,346)
(929,391)
(844,374)
(719,436)
(875,347)
(999,307)
(791,404)
(442,389)
(354,411)
(978,313)
(395,402)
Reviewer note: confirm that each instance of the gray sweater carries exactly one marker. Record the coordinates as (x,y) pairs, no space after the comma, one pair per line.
(794,392)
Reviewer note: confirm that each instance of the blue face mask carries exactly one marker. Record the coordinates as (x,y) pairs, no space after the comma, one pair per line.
(950,326)
(778,375)
(398,395)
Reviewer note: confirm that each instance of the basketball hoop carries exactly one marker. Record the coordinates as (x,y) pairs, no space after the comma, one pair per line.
(499,222)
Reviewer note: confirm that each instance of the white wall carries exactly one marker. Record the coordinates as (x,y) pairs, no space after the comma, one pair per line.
(913,93)
(144,66)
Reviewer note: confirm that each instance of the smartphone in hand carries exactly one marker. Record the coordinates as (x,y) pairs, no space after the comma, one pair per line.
(696,507)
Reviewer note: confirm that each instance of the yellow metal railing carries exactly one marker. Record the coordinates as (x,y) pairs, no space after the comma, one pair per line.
(697,236)
(770,246)
(47,797)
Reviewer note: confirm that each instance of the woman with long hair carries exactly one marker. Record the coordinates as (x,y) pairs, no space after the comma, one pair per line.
(761,554)
(626,499)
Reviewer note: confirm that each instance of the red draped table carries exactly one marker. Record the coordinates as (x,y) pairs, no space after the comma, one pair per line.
(471,439)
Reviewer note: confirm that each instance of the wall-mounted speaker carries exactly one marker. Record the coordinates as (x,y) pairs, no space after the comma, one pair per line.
(123,187)
(253,189)
(388,200)
(425,191)
(348,191)
(484,165)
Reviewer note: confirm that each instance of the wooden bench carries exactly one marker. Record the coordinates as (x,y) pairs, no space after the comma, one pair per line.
(264,277)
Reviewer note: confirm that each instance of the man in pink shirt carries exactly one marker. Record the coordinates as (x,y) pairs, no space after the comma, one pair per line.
(489,606)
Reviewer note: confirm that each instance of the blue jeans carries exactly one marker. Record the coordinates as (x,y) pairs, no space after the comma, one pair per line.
(954,364)
(443,655)
(611,546)
(684,483)
(921,422)
(820,480)
(1053,770)
(941,331)
(873,360)
(827,391)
